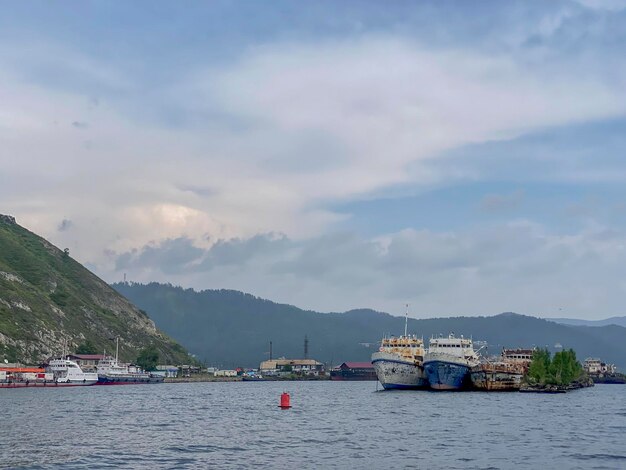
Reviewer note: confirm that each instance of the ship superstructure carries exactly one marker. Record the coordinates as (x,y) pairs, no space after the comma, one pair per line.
(68,373)
(448,362)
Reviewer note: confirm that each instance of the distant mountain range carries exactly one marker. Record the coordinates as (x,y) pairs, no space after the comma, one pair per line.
(49,301)
(229,328)
(620,321)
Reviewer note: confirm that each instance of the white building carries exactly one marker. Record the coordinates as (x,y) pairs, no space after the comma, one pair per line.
(225,373)
(291,366)
(594,365)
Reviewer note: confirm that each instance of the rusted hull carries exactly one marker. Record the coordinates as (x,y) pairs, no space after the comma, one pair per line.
(447,375)
(496,380)
(395,372)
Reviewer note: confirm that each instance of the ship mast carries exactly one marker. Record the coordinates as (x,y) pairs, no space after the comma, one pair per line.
(117,348)
(406,319)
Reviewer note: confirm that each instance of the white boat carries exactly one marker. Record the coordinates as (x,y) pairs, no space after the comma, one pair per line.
(112,372)
(399,361)
(68,373)
(448,362)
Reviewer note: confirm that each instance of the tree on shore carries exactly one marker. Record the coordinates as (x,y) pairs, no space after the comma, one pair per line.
(148,358)
(562,369)
(86,347)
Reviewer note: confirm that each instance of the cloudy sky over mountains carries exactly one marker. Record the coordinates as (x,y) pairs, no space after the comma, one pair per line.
(466,157)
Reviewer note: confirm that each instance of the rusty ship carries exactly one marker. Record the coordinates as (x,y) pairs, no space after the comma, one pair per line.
(399,361)
(448,362)
(504,373)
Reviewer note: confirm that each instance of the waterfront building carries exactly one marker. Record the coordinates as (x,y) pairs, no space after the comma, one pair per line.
(595,366)
(225,373)
(354,371)
(87,362)
(167,371)
(187,370)
(292,366)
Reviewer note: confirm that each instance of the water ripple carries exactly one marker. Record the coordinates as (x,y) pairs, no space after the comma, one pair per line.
(332,425)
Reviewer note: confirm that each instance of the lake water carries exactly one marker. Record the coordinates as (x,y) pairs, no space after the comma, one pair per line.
(331,425)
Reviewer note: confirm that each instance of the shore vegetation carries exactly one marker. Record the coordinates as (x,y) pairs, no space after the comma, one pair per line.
(561,369)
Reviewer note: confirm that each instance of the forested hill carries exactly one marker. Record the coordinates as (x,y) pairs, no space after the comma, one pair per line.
(229,328)
(49,301)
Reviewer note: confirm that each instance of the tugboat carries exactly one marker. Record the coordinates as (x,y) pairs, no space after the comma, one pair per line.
(111,372)
(505,373)
(398,362)
(448,362)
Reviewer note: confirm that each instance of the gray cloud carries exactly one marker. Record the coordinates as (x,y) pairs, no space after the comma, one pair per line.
(515,267)
(64,225)
(170,256)
(267,140)
(202,191)
(80,124)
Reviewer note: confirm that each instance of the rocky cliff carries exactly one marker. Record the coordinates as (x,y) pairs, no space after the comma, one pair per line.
(48,300)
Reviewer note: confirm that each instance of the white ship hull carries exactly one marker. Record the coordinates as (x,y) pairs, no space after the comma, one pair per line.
(396,372)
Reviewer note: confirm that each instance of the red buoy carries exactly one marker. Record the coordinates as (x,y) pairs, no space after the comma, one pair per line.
(284,401)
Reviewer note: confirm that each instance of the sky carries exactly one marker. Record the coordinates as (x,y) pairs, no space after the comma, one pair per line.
(467,158)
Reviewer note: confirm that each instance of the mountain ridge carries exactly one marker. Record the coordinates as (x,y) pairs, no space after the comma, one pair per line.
(207,322)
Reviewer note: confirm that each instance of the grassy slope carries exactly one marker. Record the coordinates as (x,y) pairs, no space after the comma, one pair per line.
(55,299)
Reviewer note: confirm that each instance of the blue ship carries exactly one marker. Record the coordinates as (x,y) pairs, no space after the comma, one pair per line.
(448,363)
(444,375)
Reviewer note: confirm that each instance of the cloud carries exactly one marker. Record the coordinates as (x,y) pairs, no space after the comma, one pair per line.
(80,125)
(170,256)
(189,159)
(65,224)
(502,202)
(611,5)
(515,266)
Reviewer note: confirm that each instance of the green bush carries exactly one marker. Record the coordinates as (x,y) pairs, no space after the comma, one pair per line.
(148,358)
(562,369)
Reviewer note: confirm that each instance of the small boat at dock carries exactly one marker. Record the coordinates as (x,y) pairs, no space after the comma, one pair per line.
(112,372)
(58,373)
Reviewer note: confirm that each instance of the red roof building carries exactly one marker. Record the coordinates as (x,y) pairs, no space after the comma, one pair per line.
(354,371)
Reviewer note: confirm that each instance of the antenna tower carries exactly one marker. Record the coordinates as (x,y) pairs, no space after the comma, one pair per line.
(406,319)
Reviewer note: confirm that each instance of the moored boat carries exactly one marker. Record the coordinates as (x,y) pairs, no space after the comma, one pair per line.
(111,372)
(448,362)
(57,373)
(505,373)
(399,361)
(69,373)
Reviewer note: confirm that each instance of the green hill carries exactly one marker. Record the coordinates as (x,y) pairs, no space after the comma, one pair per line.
(47,299)
(230,328)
